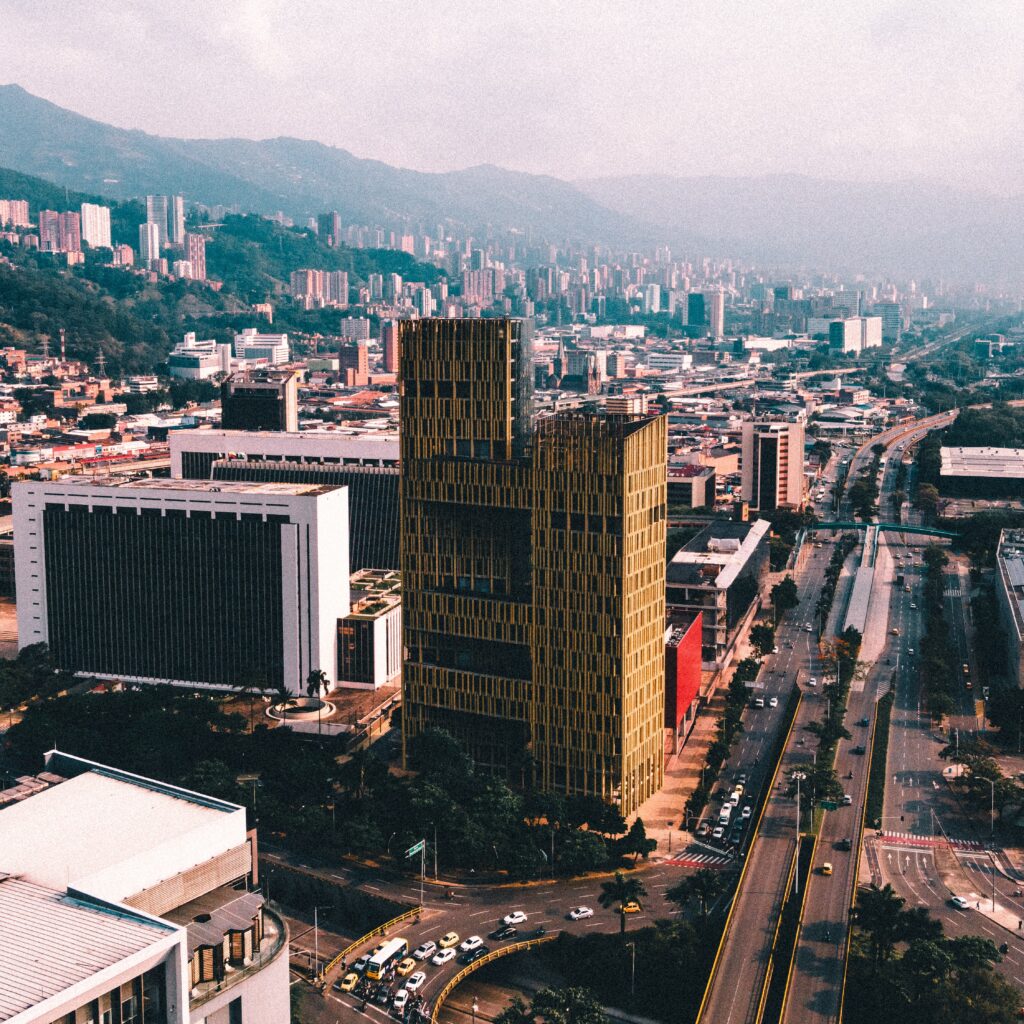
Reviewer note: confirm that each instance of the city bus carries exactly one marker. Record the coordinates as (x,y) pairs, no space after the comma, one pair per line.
(390,953)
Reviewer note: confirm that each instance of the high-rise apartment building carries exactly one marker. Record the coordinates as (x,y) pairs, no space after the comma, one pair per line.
(60,232)
(389,342)
(533,569)
(892,320)
(773,463)
(195,253)
(149,242)
(14,213)
(96,225)
(260,400)
(329,228)
(354,364)
(176,220)
(715,305)
(156,213)
(696,313)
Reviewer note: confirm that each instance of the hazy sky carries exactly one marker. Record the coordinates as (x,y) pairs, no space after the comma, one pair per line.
(849,89)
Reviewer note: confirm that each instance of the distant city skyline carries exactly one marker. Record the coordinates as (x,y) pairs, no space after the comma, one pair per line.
(877,92)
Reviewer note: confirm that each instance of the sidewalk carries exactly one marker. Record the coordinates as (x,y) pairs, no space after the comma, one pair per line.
(682,776)
(953,876)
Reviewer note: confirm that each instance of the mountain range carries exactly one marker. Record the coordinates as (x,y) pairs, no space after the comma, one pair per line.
(915,228)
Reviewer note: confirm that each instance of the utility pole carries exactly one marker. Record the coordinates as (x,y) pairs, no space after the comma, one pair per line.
(799,776)
(632,973)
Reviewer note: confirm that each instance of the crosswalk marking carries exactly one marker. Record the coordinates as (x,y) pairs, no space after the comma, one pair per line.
(916,840)
(698,860)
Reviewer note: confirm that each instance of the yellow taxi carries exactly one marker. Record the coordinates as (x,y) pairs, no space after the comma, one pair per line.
(451,939)
(349,982)
(632,907)
(407,966)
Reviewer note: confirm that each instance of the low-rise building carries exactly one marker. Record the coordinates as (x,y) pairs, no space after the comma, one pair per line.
(370,636)
(982,472)
(124,899)
(718,573)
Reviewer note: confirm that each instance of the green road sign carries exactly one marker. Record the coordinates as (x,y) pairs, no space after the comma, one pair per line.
(830,805)
(415,849)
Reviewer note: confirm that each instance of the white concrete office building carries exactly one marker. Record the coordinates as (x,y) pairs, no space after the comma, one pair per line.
(193,583)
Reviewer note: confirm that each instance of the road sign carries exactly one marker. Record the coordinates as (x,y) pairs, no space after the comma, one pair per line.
(829,805)
(418,848)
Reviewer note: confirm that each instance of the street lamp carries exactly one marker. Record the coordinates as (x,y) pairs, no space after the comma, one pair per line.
(632,973)
(799,777)
(316,936)
(476,1006)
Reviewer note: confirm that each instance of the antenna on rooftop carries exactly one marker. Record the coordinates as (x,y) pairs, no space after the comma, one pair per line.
(63,345)
(101,362)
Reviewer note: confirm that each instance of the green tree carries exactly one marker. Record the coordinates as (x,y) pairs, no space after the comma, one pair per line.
(517,1012)
(785,595)
(762,637)
(705,886)
(580,851)
(621,890)
(878,914)
(568,1006)
(437,752)
(635,841)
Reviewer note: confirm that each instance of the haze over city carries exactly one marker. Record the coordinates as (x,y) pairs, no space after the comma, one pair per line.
(875,91)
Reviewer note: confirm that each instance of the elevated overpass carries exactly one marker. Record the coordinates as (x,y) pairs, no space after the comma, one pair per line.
(925,531)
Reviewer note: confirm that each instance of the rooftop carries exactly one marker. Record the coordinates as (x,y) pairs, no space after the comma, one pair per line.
(52,940)
(718,553)
(97,853)
(1000,463)
(230,487)
(1010,563)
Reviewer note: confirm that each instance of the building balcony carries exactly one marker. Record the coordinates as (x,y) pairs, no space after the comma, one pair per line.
(272,944)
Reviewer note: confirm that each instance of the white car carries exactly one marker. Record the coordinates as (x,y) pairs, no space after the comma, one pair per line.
(718,833)
(443,956)
(516,917)
(808,628)
(415,981)
(775,650)
(579,913)
(910,650)
(959,902)
(773,702)
(747,811)
(473,942)
(427,949)
(812,681)
(401,998)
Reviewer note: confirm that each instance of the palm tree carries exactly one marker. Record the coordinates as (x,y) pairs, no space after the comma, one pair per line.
(315,681)
(879,913)
(704,887)
(621,890)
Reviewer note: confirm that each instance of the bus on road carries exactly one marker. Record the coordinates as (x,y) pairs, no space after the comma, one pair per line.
(390,953)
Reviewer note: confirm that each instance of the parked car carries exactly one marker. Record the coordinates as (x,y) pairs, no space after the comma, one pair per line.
(579,913)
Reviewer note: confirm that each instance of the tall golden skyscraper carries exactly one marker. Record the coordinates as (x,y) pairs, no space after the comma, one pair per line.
(533,562)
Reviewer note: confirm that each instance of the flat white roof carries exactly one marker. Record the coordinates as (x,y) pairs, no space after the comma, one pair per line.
(230,487)
(112,834)
(992,462)
(51,941)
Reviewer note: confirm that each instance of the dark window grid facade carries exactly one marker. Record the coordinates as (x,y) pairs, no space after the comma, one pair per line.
(197,600)
(372,500)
